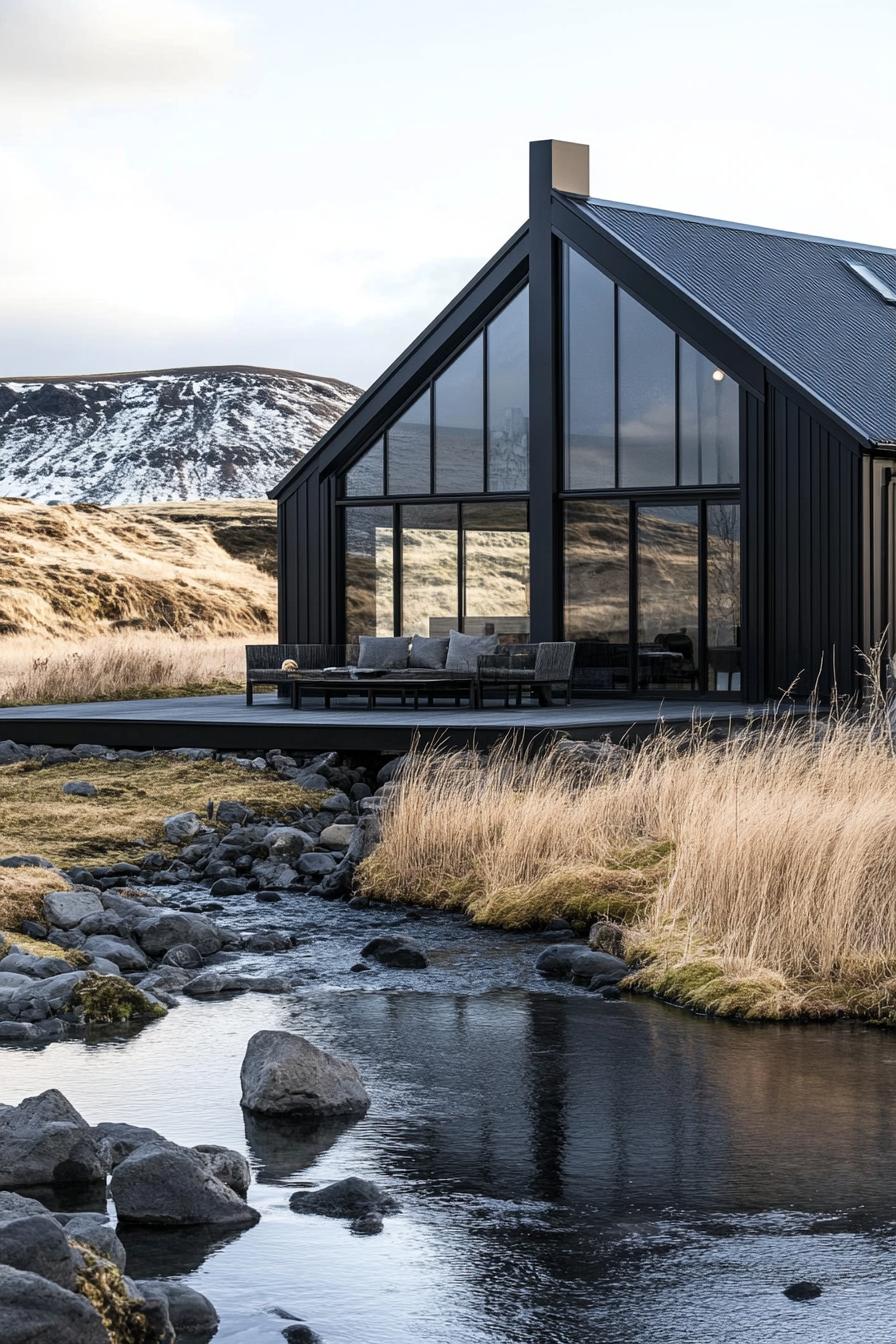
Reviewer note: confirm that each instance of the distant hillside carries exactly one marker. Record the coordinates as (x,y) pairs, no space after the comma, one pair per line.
(78,570)
(169,434)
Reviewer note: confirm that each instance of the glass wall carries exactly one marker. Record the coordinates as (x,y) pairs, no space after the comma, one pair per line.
(496,570)
(668,597)
(507,365)
(668,571)
(369,600)
(723,602)
(468,431)
(646,396)
(596,590)
(366,477)
(642,408)
(709,421)
(459,411)
(459,566)
(429,555)
(590,397)
(408,451)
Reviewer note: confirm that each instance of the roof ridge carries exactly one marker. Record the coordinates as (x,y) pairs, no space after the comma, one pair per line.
(734,224)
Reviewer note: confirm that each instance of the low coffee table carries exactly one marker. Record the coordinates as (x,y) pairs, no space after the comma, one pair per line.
(411,681)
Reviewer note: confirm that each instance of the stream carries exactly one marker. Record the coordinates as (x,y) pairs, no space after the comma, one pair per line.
(571,1170)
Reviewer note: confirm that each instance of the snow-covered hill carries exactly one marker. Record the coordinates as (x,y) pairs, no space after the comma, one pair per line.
(204,433)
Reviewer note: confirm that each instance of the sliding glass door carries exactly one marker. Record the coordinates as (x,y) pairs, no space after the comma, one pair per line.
(652,594)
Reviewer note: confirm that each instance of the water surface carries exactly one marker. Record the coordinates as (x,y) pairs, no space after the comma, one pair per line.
(571,1171)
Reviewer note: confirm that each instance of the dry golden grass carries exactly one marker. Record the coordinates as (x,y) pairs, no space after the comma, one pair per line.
(121,666)
(79,569)
(757,874)
(133,800)
(516,840)
(21,892)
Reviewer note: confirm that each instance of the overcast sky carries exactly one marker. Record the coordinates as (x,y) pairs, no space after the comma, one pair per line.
(304,185)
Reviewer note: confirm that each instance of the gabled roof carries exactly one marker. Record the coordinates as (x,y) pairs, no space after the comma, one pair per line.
(791,297)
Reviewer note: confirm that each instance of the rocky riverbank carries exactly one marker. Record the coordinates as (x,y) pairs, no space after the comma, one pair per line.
(63,1275)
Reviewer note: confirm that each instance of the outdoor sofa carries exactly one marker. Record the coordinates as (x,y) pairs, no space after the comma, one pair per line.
(475,664)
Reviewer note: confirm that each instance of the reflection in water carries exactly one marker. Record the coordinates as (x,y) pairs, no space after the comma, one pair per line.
(569,1170)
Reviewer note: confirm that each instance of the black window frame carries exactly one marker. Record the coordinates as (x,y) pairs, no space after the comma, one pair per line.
(427,388)
(458,503)
(703,497)
(562,400)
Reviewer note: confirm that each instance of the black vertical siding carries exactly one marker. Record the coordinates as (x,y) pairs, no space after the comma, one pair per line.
(755,527)
(814,616)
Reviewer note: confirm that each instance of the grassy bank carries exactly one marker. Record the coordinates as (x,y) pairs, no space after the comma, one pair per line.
(116,666)
(756,876)
(132,801)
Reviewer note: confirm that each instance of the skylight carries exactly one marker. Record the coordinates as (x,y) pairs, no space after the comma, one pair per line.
(873,281)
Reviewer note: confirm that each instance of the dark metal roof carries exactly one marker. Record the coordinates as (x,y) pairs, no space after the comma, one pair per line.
(791,297)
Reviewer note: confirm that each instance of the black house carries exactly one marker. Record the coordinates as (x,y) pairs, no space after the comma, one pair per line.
(670,439)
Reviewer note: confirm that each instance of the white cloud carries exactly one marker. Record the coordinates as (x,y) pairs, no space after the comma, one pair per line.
(99,50)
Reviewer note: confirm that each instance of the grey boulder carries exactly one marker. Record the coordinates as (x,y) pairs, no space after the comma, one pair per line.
(350,1198)
(184,955)
(337,836)
(126,955)
(287,843)
(44,1141)
(97,1235)
(65,909)
(316,864)
(163,1185)
(181,827)
(161,930)
(213,982)
(34,1311)
(117,1140)
(572,961)
(190,1312)
(40,999)
(80,788)
(283,1074)
(274,874)
(397,951)
(38,968)
(229,1166)
(36,1242)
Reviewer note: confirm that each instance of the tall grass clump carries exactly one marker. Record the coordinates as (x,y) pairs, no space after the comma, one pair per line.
(756,873)
(117,666)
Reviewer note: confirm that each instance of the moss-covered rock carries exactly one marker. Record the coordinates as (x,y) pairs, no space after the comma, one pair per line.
(126,1318)
(109,999)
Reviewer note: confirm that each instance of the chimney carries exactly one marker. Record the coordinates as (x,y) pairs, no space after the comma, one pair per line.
(568,165)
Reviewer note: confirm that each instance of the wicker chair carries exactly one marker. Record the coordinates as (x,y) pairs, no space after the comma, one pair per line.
(264,662)
(538,667)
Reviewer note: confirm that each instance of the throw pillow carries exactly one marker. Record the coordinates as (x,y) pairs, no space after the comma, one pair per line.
(380,651)
(429,652)
(464,650)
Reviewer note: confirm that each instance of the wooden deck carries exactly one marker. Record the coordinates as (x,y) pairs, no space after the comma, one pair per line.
(225,722)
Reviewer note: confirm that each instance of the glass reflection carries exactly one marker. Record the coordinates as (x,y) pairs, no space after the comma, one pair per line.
(369,604)
(366,476)
(723,605)
(646,396)
(508,396)
(590,413)
(596,591)
(407,444)
(459,433)
(496,570)
(708,420)
(429,558)
(668,597)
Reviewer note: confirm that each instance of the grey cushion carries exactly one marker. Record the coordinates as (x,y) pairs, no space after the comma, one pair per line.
(382,652)
(426,652)
(464,650)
